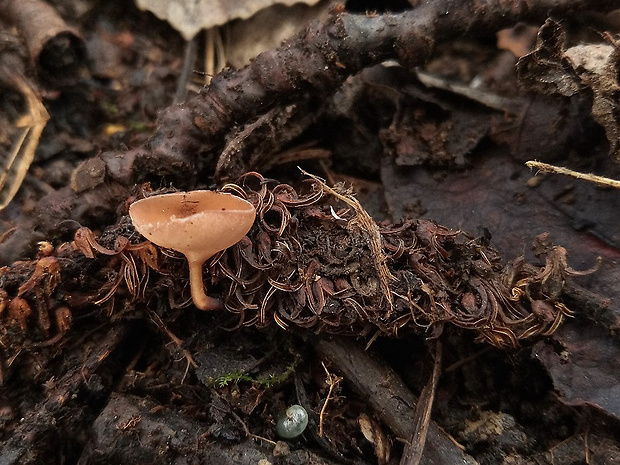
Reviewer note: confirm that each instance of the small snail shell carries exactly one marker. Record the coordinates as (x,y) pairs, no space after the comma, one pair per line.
(292,422)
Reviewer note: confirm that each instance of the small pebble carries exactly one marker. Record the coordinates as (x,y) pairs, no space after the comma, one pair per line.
(535,181)
(281,449)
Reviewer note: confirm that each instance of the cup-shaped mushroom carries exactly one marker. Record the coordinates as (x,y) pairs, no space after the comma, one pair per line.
(198,224)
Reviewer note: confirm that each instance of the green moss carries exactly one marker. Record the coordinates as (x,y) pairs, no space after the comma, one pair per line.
(265,381)
(109,108)
(140,126)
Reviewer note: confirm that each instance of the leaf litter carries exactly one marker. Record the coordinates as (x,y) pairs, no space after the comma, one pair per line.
(138,286)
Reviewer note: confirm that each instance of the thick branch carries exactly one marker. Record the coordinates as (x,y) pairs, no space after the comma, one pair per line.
(321,57)
(388,396)
(316,61)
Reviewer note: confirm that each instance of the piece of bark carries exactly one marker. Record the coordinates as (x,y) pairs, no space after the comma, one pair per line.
(582,361)
(136,430)
(388,396)
(57,50)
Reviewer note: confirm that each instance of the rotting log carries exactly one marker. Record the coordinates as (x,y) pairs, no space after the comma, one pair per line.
(56,49)
(388,396)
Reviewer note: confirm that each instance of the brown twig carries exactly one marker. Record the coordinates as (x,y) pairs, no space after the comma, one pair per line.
(57,50)
(388,396)
(322,56)
(332,382)
(315,62)
(422,417)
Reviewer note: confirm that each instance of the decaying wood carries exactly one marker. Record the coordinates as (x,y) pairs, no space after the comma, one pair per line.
(318,60)
(37,433)
(56,49)
(388,396)
(321,57)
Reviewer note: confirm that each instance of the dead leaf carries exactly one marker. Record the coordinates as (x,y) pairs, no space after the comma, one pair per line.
(372,431)
(268,28)
(15,164)
(190,16)
(546,69)
(588,70)
(584,368)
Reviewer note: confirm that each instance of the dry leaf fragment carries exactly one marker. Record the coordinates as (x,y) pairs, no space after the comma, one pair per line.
(372,431)
(190,16)
(15,164)
(588,70)
(583,363)
(268,28)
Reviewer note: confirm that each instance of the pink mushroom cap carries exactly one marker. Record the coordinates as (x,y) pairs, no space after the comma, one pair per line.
(198,224)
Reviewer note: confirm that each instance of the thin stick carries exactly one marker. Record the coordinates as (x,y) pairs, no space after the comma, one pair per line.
(546,168)
(215,53)
(332,381)
(422,417)
(189,59)
(174,338)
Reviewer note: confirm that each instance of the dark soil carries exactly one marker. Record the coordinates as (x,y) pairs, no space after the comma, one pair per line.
(104,359)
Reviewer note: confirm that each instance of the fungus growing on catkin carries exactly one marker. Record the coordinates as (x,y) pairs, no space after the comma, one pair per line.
(198,224)
(313,259)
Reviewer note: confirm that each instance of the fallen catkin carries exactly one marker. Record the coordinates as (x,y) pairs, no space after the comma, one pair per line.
(311,260)
(315,260)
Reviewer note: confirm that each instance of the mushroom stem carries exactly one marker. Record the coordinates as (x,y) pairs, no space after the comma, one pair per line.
(199,296)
